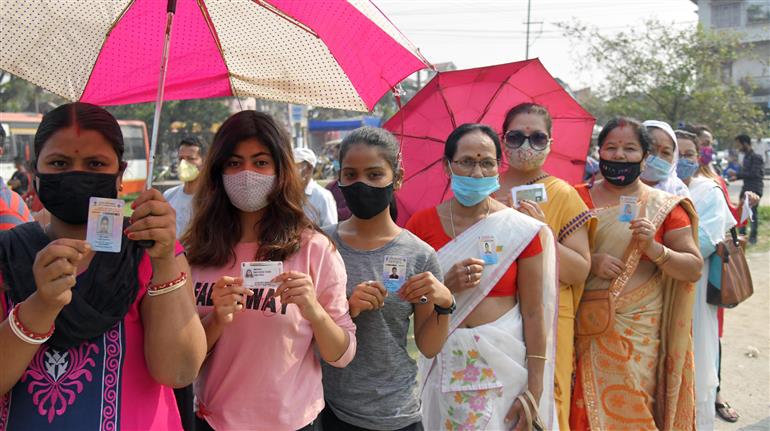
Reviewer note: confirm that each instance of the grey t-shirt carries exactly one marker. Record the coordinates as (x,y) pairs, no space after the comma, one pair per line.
(378,389)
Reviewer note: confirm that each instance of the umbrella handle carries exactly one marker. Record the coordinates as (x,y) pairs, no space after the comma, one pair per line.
(170,9)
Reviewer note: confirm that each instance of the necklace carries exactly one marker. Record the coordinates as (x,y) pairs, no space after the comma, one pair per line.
(541,177)
(452,220)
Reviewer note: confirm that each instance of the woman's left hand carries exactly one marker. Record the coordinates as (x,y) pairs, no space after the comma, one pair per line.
(644,233)
(154,220)
(297,288)
(426,285)
(531,209)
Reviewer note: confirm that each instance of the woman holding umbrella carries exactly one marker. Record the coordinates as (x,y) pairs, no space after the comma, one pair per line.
(263,369)
(93,340)
(495,370)
(527,140)
(634,343)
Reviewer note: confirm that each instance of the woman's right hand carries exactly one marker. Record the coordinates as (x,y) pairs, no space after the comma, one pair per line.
(229,297)
(55,270)
(605,266)
(369,295)
(465,274)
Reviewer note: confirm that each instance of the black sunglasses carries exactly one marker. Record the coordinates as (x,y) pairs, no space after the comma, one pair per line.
(516,138)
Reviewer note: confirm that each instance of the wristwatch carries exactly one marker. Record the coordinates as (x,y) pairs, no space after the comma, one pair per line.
(448,310)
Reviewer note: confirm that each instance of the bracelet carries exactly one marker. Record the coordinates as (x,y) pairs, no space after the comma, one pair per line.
(537,357)
(168,287)
(663,258)
(25,334)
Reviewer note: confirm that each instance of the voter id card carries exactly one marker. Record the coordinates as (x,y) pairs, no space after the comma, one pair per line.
(105,224)
(394,272)
(530,192)
(260,274)
(488,250)
(629,208)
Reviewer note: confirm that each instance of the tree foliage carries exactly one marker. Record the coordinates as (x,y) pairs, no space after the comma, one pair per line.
(675,74)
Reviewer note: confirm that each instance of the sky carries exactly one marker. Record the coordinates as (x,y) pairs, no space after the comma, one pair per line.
(474,33)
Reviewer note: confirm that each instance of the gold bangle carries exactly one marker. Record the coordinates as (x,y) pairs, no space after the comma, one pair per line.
(663,258)
(537,357)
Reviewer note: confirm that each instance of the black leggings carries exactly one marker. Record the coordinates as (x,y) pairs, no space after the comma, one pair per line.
(330,422)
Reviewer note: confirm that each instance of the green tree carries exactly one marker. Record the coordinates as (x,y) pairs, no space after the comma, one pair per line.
(18,95)
(670,73)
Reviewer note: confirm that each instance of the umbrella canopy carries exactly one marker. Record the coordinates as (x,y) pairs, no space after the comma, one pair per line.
(482,95)
(333,53)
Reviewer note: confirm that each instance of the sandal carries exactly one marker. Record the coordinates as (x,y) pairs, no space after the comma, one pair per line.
(726,412)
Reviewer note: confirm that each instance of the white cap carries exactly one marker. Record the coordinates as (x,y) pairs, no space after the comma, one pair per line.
(305,155)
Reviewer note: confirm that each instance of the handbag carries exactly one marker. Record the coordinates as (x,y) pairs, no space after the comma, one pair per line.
(731,283)
(596,313)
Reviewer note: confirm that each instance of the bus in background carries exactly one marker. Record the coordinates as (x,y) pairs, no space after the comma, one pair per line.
(20,131)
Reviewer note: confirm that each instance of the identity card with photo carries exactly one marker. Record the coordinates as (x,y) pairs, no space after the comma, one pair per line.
(530,192)
(488,249)
(260,274)
(105,224)
(394,272)
(629,208)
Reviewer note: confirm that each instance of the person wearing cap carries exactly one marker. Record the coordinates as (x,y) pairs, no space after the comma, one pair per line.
(321,206)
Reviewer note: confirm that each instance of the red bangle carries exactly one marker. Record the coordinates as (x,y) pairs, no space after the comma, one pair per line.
(31,334)
(155,287)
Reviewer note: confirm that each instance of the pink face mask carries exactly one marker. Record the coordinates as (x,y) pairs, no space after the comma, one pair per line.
(525,158)
(706,155)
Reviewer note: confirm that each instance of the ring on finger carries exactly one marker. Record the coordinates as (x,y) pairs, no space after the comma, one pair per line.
(467,269)
(469,277)
(423,299)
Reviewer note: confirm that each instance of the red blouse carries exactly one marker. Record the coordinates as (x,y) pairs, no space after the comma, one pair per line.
(427,226)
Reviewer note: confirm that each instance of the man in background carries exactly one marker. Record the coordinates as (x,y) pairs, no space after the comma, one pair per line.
(13,210)
(752,175)
(321,206)
(190,155)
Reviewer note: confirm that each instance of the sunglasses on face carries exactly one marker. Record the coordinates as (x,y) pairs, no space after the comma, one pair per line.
(516,138)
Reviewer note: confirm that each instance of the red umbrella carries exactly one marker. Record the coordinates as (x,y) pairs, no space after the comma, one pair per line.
(482,95)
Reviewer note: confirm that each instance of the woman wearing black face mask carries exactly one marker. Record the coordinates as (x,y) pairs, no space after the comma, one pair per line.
(635,317)
(87,333)
(377,390)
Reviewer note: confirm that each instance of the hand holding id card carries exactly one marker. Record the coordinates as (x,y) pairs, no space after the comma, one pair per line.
(105,224)
(260,274)
(394,272)
(530,192)
(629,209)
(488,250)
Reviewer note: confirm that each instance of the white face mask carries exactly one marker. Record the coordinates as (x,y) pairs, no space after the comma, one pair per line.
(248,190)
(187,171)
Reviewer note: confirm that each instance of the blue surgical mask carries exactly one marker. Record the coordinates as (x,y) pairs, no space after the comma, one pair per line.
(470,190)
(685,168)
(656,169)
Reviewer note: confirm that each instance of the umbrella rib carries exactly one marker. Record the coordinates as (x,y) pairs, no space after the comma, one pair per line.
(207,18)
(427,138)
(493,98)
(288,18)
(423,170)
(443,98)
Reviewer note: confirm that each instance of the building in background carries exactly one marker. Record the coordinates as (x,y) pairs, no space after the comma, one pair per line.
(751,20)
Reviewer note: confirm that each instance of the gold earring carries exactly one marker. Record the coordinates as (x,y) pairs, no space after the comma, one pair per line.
(120,188)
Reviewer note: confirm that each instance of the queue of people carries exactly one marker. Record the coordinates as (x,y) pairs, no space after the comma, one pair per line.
(585,311)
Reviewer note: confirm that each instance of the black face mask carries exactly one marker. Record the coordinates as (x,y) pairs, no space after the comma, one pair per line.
(366,201)
(66,195)
(620,173)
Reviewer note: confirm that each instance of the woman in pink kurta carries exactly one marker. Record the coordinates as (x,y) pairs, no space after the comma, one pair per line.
(265,339)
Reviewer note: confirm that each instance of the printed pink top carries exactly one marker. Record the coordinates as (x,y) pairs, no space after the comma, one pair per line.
(264,373)
(103,384)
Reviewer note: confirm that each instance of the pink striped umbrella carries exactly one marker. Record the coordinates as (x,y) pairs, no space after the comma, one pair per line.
(334,53)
